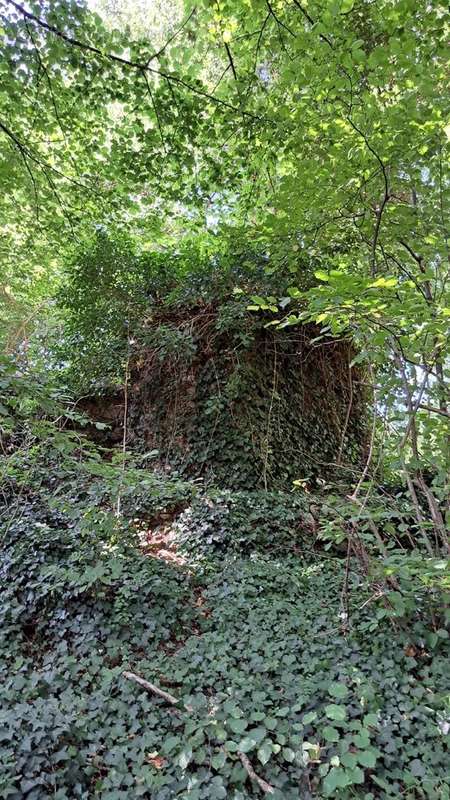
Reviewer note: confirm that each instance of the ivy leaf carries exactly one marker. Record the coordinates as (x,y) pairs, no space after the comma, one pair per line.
(237,725)
(184,758)
(417,768)
(335,779)
(265,751)
(330,734)
(335,712)
(367,758)
(218,760)
(338,690)
(349,759)
(246,744)
(288,754)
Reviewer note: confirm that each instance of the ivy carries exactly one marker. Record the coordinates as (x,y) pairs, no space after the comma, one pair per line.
(262,663)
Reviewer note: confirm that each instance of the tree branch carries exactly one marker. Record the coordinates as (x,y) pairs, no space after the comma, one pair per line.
(278,20)
(435,410)
(124,62)
(311,22)
(266,787)
(230,59)
(150,687)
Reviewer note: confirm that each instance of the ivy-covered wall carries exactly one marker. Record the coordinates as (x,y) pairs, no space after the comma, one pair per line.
(225,398)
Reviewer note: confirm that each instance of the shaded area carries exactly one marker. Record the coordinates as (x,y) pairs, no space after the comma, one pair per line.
(259,649)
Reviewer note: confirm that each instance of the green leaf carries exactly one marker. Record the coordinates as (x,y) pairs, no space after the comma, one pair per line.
(330,734)
(218,760)
(370,720)
(362,739)
(349,759)
(367,758)
(335,779)
(288,754)
(338,690)
(246,744)
(265,751)
(321,275)
(417,768)
(237,725)
(335,712)
(354,775)
(184,758)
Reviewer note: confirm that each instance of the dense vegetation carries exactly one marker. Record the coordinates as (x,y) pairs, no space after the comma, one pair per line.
(224,438)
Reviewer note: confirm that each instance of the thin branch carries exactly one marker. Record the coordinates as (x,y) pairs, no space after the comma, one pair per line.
(170,40)
(124,62)
(386,195)
(435,410)
(304,12)
(365,471)
(266,787)
(221,77)
(155,108)
(347,416)
(312,23)
(353,498)
(37,160)
(419,516)
(150,687)
(258,45)
(125,425)
(230,59)
(418,259)
(23,154)
(278,20)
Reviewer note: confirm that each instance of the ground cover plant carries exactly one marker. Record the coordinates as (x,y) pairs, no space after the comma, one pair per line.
(260,652)
(224,406)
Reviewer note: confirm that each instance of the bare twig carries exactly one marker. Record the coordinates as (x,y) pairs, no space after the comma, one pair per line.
(125,426)
(230,59)
(171,38)
(278,20)
(269,417)
(354,499)
(344,592)
(347,416)
(434,410)
(386,194)
(365,471)
(418,478)
(266,787)
(418,511)
(150,687)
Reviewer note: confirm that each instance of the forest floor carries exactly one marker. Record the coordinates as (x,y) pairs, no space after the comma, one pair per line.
(284,682)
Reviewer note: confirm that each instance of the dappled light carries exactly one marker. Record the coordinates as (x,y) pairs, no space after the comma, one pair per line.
(224,406)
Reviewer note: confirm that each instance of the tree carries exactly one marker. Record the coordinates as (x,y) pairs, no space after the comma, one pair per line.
(319,132)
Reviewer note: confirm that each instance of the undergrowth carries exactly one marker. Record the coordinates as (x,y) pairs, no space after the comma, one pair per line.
(326,673)
(266,655)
